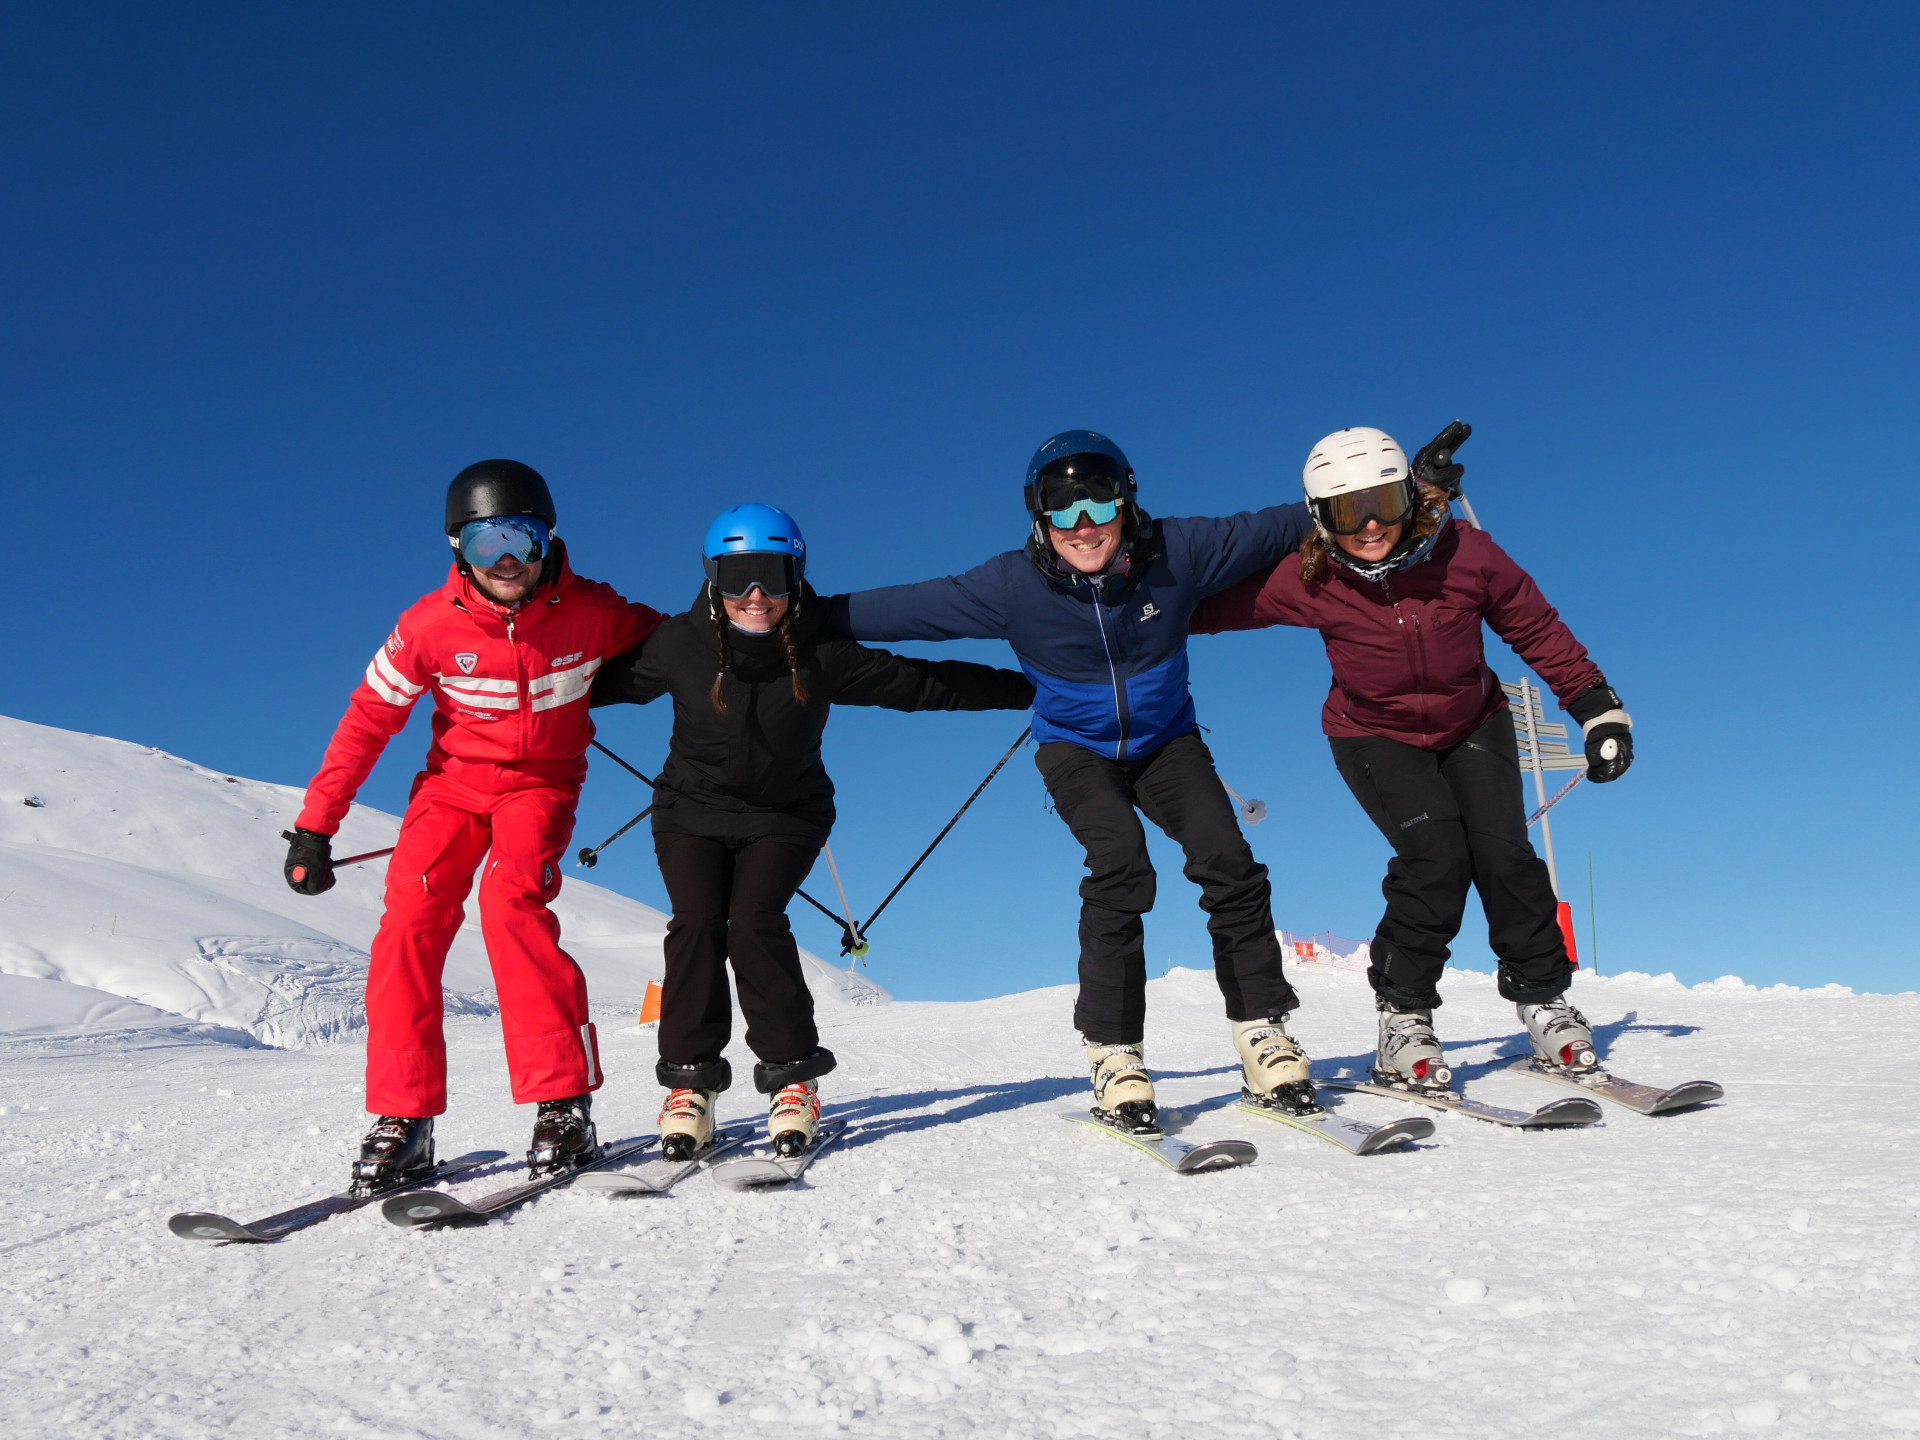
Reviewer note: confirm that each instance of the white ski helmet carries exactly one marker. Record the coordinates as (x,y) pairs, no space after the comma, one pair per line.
(1357,458)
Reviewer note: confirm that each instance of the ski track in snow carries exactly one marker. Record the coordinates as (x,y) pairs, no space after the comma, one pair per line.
(964,1264)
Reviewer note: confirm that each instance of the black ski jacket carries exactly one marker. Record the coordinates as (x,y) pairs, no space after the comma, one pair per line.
(755,772)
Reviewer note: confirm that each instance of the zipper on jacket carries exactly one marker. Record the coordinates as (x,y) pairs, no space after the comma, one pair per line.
(526,696)
(1113,671)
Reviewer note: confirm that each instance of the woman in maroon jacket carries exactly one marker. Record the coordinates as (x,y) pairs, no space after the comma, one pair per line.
(1422,735)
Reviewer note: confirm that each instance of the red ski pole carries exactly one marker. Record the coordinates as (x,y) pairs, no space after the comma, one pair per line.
(356,859)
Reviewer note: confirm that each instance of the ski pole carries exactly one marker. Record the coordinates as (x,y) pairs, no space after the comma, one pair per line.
(591,858)
(356,859)
(949,825)
(1251,811)
(1559,795)
(622,764)
(856,944)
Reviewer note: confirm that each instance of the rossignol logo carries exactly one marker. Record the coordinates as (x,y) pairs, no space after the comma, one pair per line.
(572,659)
(466,662)
(1149,611)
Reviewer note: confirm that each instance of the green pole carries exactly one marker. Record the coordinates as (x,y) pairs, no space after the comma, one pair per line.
(1593,924)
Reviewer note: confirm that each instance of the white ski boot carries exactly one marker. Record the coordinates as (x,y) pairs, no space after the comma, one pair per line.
(1122,1089)
(686,1123)
(1410,1053)
(793,1117)
(1562,1038)
(1274,1066)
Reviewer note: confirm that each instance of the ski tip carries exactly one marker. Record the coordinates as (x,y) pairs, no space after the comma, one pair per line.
(203,1225)
(1218,1155)
(413,1208)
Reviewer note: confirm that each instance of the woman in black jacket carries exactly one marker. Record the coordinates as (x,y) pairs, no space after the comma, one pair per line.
(744,804)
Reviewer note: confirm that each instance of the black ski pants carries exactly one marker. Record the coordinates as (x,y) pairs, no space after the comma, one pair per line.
(1178,789)
(1455,818)
(730,903)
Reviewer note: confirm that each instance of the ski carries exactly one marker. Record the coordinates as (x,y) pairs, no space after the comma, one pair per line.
(659,1178)
(1555,1112)
(411,1209)
(1642,1099)
(1356,1137)
(1177,1155)
(204,1225)
(763,1168)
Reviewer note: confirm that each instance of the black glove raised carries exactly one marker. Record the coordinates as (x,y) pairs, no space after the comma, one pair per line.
(1435,463)
(309,867)
(1609,732)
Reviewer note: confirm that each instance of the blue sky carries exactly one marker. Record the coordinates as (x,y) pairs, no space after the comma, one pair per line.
(273,275)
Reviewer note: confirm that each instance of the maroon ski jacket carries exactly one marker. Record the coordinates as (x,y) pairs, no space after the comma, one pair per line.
(1408,662)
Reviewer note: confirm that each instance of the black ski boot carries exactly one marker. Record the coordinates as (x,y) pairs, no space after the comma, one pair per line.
(563,1136)
(397,1150)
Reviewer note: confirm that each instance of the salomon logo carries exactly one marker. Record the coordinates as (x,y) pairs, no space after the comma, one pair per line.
(466,662)
(1150,611)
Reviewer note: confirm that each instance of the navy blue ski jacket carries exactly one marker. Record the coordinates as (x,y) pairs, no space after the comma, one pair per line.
(1107,653)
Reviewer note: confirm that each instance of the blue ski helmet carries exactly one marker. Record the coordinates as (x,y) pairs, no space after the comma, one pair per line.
(1066,445)
(755,529)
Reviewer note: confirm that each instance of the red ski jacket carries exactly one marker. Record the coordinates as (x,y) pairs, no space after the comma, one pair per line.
(509,688)
(1408,660)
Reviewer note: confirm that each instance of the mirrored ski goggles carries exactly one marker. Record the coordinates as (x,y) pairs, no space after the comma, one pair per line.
(485,543)
(739,572)
(1098,511)
(1348,513)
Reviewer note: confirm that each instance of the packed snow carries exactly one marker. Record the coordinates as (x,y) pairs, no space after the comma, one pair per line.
(181,1032)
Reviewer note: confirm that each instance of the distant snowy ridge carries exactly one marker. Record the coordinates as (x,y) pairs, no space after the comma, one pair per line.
(141,891)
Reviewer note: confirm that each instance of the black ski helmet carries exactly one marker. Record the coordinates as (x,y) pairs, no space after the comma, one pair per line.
(1060,453)
(494,488)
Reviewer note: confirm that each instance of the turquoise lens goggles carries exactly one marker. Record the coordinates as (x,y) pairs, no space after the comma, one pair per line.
(1098,511)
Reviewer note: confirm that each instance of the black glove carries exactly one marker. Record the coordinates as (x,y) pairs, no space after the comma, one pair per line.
(1435,463)
(309,867)
(1609,732)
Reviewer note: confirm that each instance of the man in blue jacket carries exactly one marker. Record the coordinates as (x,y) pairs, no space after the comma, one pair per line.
(1096,608)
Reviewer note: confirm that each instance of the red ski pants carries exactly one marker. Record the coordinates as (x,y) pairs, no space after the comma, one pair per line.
(448,829)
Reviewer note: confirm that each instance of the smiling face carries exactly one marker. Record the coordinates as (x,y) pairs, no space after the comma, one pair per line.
(1374,542)
(1087,547)
(756,610)
(509,581)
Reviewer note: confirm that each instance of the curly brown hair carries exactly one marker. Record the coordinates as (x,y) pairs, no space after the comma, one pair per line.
(1428,517)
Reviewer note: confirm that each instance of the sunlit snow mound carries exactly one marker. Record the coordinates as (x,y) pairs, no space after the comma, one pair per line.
(139,891)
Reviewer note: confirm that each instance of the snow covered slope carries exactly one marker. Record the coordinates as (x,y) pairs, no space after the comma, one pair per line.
(127,872)
(967,1265)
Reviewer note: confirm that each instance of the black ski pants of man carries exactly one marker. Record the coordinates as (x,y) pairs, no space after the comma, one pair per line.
(1178,789)
(730,902)
(1455,818)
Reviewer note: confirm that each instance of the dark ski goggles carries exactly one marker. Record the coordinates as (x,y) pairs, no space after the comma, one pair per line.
(485,543)
(1348,513)
(740,572)
(1091,476)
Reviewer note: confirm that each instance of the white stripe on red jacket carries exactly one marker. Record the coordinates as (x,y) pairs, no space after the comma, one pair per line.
(509,689)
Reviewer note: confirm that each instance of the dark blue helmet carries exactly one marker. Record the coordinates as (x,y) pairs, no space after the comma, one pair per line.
(1083,461)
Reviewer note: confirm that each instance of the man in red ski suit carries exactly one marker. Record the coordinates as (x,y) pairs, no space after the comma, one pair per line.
(510,652)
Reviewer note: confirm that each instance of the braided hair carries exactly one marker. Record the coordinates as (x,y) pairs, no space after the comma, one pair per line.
(723,626)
